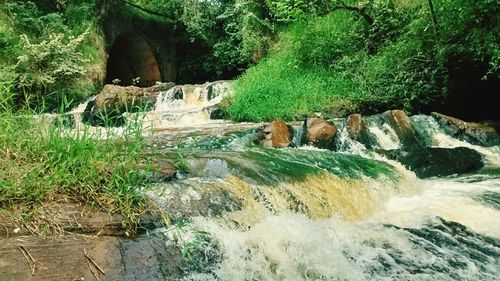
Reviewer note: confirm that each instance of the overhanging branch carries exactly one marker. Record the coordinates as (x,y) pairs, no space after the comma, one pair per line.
(147,10)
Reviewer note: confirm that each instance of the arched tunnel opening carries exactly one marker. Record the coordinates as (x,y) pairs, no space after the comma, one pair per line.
(132,62)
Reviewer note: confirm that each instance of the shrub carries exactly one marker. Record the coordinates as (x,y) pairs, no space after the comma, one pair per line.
(321,42)
(53,52)
(49,63)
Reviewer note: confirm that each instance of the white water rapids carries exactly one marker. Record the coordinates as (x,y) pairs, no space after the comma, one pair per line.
(293,246)
(378,229)
(311,214)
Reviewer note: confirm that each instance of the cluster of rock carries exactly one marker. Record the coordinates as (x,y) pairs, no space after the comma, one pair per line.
(414,154)
(320,133)
(108,107)
(316,132)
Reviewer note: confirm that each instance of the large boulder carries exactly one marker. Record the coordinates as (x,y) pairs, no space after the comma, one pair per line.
(277,134)
(109,105)
(357,130)
(403,127)
(436,161)
(476,133)
(117,97)
(319,133)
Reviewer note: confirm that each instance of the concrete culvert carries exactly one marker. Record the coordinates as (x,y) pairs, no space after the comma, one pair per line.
(131,57)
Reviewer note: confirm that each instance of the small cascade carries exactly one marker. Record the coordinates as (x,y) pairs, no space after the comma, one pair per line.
(73,118)
(298,134)
(384,135)
(186,105)
(434,136)
(182,109)
(78,111)
(254,183)
(305,213)
(348,145)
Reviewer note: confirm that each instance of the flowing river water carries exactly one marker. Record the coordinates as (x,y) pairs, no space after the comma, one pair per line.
(244,212)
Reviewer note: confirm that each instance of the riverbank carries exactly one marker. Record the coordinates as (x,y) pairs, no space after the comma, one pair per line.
(39,165)
(234,200)
(84,242)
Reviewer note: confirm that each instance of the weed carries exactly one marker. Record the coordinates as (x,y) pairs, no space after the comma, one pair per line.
(40,164)
(199,243)
(180,162)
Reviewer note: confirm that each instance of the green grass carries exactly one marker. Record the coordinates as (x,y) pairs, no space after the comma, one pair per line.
(303,75)
(40,165)
(337,64)
(273,90)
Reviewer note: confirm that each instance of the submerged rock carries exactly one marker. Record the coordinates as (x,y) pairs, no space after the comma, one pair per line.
(203,200)
(277,134)
(319,133)
(357,130)
(402,126)
(475,133)
(221,110)
(436,161)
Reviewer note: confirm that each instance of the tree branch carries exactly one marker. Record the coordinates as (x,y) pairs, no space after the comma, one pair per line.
(147,10)
(360,11)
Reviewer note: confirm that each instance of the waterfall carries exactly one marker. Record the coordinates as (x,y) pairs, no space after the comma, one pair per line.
(244,212)
(311,214)
(259,183)
(187,105)
(182,110)
(348,145)
(385,135)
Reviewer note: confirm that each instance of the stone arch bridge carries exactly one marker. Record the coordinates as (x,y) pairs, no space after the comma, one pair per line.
(139,47)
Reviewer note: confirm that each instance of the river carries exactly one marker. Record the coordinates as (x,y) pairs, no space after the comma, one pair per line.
(244,212)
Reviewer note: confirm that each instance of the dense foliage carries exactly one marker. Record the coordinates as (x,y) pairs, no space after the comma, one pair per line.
(369,56)
(304,56)
(52,50)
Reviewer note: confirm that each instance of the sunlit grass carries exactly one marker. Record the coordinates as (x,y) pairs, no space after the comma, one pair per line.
(41,163)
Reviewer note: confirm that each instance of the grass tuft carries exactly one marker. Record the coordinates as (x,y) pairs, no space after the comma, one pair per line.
(41,164)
